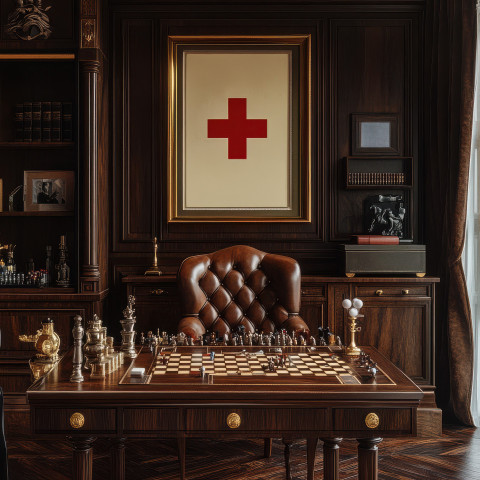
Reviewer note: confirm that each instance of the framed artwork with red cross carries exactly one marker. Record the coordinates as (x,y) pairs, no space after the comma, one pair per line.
(239,128)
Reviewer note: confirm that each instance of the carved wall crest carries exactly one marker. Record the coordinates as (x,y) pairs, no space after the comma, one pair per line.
(29,21)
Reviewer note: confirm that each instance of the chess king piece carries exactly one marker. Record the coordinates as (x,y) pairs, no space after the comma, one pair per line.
(154,270)
(63,270)
(46,340)
(77,361)
(353,307)
(128,333)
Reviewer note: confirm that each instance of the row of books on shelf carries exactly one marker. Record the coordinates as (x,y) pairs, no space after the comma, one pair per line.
(43,122)
(376,179)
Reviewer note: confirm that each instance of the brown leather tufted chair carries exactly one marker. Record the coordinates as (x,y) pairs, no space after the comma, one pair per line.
(236,286)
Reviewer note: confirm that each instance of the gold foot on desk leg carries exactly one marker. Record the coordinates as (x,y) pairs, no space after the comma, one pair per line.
(311,450)
(286,453)
(82,457)
(267,447)
(181,441)
(117,457)
(331,458)
(368,458)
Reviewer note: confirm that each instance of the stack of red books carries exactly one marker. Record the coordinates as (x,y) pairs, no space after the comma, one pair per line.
(376,239)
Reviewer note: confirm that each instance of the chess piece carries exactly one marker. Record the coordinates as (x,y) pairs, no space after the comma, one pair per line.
(154,270)
(128,333)
(63,270)
(77,361)
(94,348)
(353,313)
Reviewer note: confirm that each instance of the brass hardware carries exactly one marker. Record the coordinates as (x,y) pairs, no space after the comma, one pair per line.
(157,291)
(77,420)
(233,420)
(405,292)
(372,420)
(420,275)
(302,292)
(379,292)
(350,275)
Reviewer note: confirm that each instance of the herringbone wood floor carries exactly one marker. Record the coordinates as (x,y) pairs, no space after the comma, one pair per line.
(455,456)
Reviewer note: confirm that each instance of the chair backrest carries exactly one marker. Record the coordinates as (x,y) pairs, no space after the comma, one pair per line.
(3,443)
(241,285)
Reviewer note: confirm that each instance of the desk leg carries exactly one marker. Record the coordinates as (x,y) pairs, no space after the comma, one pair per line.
(181,442)
(311,450)
(286,453)
(117,457)
(82,457)
(267,447)
(331,458)
(368,458)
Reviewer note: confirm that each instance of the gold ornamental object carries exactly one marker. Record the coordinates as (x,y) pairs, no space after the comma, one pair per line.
(372,420)
(46,340)
(352,348)
(234,420)
(77,420)
(154,270)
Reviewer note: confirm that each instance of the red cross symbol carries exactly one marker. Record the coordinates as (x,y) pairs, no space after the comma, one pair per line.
(237,128)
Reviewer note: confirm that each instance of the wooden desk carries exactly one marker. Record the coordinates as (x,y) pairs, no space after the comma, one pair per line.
(173,405)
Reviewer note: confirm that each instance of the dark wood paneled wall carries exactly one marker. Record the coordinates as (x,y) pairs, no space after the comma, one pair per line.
(365,59)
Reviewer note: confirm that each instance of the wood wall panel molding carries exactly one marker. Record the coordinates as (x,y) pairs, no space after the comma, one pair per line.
(135,165)
(373,69)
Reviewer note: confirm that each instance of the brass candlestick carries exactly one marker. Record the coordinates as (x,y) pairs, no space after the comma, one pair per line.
(352,307)
(154,270)
(352,348)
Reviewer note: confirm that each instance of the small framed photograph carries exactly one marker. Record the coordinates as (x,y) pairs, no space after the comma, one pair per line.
(376,134)
(48,191)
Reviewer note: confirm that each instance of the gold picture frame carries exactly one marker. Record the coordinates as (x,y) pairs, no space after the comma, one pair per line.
(239,128)
(49,191)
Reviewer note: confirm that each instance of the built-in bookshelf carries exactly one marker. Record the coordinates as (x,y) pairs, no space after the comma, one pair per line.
(38,124)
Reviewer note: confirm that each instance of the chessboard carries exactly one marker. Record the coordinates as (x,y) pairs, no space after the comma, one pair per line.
(250,365)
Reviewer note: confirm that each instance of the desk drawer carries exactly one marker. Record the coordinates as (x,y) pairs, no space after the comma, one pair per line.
(252,419)
(154,291)
(149,419)
(391,291)
(313,291)
(81,420)
(369,420)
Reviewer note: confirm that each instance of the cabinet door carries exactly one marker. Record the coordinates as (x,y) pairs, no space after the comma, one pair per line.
(18,321)
(313,313)
(156,307)
(400,330)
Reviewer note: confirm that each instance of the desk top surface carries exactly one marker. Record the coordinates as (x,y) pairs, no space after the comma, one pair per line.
(233,374)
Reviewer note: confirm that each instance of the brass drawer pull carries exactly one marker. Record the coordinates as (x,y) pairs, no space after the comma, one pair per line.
(157,291)
(379,292)
(405,292)
(77,420)
(233,420)
(372,420)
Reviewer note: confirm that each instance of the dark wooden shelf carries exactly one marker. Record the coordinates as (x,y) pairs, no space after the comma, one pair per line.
(36,214)
(37,56)
(378,187)
(35,145)
(12,289)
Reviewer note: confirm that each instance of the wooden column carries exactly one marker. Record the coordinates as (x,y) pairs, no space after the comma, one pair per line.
(267,447)
(90,273)
(368,458)
(311,451)
(117,457)
(82,457)
(181,442)
(331,458)
(286,453)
